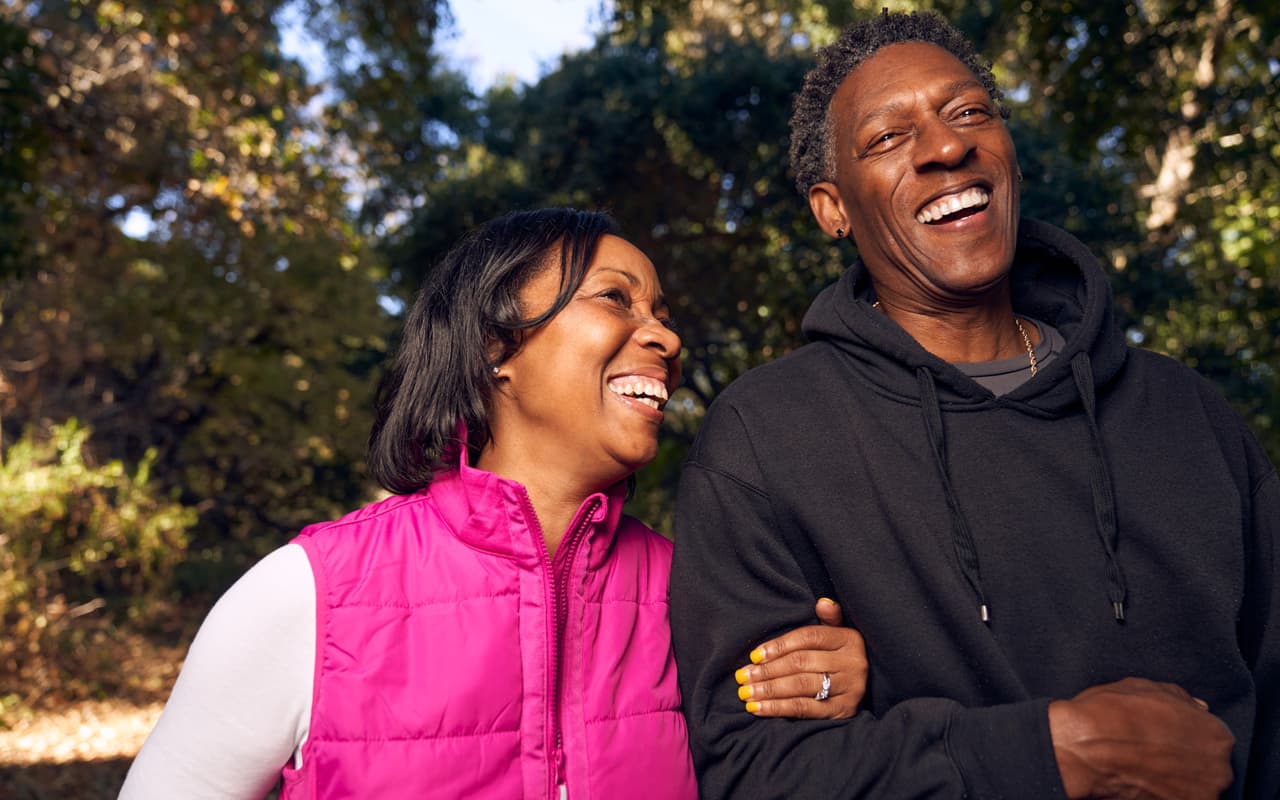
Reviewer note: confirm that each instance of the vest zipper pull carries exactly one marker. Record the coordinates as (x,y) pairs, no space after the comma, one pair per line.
(561,783)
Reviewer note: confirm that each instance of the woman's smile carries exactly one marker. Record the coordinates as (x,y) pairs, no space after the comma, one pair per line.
(645,394)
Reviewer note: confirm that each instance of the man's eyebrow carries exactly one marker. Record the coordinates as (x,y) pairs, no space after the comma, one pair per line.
(891,109)
(887,110)
(956,87)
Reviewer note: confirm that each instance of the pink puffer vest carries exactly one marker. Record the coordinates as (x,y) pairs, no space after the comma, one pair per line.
(439,672)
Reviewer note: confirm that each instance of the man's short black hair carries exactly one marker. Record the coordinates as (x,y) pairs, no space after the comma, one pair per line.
(812,130)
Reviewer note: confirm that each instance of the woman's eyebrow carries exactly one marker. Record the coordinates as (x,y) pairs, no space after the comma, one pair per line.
(631,279)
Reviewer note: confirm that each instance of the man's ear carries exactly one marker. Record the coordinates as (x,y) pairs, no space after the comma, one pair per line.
(828,209)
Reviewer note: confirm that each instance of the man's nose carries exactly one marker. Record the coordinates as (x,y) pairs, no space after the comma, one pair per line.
(937,143)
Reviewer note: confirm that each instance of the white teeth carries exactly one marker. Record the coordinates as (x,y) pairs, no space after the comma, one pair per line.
(951,204)
(646,390)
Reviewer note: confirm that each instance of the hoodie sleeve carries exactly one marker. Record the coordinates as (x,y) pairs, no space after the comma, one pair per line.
(734,584)
(1260,630)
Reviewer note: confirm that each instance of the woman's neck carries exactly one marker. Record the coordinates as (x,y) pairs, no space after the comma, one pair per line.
(556,497)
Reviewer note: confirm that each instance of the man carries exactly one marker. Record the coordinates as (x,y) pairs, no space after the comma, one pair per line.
(1061,551)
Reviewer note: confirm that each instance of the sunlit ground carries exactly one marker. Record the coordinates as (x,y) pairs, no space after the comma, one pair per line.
(80,753)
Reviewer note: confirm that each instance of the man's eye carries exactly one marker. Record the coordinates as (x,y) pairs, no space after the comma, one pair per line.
(882,141)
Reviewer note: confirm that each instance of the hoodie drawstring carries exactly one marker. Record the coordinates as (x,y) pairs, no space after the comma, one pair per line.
(1104,506)
(1104,499)
(961,536)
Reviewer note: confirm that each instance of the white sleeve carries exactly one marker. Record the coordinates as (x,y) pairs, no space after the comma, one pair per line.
(242,703)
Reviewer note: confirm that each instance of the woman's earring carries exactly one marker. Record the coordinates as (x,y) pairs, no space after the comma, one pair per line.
(495,370)
(839,233)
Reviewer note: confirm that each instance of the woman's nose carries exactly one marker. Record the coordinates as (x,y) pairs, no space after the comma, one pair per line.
(658,334)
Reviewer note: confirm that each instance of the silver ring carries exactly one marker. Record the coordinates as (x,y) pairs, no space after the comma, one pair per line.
(825,691)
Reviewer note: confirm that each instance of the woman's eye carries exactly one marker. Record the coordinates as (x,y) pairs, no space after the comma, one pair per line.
(669,324)
(615,295)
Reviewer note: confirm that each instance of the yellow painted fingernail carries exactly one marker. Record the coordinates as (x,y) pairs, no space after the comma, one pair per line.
(753,707)
(757,655)
(744,692)
(741,675)
(826,600)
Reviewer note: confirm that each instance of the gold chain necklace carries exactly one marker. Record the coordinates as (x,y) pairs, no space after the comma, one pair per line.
(1031,351)
(1026,340)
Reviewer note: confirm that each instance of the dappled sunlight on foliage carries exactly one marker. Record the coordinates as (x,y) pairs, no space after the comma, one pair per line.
(195,285)
(80,545)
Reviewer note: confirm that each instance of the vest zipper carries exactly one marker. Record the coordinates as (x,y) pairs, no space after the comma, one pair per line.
(560,572)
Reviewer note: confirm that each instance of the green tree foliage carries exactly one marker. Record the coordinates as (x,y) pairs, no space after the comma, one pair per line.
(20,141)
(394,105)
(76,538)
(235,336)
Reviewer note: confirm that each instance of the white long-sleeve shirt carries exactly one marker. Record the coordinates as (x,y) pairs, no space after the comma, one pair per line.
(241,706)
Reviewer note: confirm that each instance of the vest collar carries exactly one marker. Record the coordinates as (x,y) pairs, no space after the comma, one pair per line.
(494,514)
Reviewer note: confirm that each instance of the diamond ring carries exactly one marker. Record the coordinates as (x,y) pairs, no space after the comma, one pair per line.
(825,691)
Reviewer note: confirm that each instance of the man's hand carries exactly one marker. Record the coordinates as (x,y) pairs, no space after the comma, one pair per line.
(1137,738)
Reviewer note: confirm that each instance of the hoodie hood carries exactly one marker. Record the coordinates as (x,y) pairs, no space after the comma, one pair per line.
(1055,279)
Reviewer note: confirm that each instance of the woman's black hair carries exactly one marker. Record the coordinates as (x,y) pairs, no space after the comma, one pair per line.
(813,157)
(465,320)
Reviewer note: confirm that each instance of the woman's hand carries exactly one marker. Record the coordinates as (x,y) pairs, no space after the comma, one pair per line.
(785,675)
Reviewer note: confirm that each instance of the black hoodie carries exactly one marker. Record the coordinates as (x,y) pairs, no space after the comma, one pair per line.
(1111,517)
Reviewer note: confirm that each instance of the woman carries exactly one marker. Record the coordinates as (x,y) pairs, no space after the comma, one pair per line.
(498,628)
